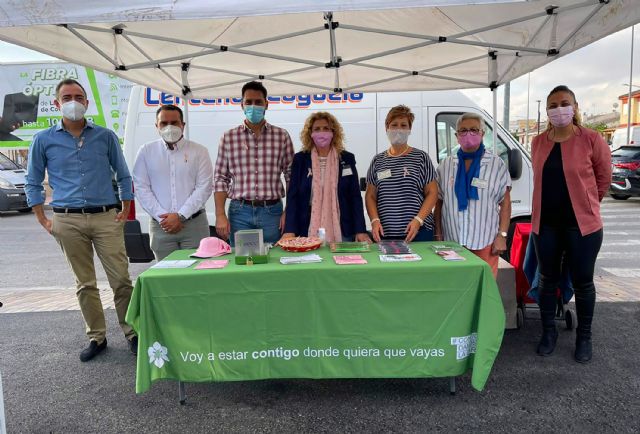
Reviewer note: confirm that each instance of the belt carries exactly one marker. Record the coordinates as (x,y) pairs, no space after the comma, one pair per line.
(88,210)
(196,214)
(259,202)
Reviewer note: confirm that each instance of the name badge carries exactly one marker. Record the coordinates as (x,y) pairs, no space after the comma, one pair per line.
(479,183)
(347,171)
(384,174)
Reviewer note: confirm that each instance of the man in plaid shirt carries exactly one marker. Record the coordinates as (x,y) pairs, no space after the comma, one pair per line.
(251,159)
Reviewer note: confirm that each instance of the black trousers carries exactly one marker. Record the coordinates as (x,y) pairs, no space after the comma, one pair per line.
(555,245)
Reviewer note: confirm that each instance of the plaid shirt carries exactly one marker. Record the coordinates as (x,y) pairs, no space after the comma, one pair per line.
(249,168)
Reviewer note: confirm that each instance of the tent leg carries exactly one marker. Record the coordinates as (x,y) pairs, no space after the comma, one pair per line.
(452,386)
(182,393)
(495,120)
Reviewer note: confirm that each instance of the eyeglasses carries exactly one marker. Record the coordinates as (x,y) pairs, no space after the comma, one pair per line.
(473,131)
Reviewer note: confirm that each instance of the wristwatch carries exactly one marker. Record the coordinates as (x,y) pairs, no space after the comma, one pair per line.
(182,218)
(504,234)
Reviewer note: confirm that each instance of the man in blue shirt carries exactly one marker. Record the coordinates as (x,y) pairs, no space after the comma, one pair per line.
(81,159)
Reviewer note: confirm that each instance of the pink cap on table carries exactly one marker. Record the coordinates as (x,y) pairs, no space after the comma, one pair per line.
(211,247)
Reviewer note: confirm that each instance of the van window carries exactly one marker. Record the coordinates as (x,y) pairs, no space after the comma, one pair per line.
(448,144)
(7,164)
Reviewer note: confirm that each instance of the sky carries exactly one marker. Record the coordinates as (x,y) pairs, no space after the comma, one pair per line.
(596,73)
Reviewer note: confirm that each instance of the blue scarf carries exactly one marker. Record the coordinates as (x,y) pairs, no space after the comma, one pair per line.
(463,188)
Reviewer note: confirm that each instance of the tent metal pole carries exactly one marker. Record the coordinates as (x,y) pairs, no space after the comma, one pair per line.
(297,83)
(91,28)
(424,74)
(265,77)
(155,63)
(529,42)
(387,53)
(137,47)
(204,44)
(279,37)
(371,83)
(582,24)
(630,94)
(335,59)
(92,45)
(459,62)
(494,92)
(493,77)
(184,73)
(493,45)
(212,50)
(452,41)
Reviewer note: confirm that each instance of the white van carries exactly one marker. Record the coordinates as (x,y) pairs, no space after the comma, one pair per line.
(362,116)
(619,138)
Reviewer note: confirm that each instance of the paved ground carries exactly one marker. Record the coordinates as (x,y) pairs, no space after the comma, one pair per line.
(47,389)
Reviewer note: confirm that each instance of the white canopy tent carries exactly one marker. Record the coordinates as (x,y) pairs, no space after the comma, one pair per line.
(203,48)
(199,48)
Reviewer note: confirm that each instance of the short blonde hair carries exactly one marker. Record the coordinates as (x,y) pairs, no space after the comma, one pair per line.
(399,111)
(338,133)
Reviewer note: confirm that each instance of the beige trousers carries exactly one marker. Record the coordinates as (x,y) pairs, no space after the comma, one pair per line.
(78,235)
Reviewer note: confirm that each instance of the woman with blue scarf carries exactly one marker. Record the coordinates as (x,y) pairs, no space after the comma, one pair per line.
(474,205)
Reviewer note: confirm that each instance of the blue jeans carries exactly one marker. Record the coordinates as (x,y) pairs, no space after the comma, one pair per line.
(244,216)
(423,234)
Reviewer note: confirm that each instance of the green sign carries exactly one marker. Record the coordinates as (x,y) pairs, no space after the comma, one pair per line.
(27,93)
(429,318)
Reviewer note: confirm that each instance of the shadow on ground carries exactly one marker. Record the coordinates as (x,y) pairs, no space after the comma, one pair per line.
(47,389)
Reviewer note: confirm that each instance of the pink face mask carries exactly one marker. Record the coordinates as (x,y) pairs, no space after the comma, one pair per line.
(561,116)
(469,142)
(322,139)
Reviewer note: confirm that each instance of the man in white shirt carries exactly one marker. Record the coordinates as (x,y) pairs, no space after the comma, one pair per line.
(173,179)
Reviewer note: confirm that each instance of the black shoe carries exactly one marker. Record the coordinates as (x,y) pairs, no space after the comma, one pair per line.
(133,345)
(548,342)
(583,350)
(92,350)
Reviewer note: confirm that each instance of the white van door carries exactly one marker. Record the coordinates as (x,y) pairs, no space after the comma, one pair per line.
(444,143)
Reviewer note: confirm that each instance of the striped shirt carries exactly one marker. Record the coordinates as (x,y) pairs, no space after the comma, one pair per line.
(477,226)
(400,183)
(249,168)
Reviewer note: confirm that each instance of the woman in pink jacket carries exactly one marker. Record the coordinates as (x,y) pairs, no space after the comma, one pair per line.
(571,174)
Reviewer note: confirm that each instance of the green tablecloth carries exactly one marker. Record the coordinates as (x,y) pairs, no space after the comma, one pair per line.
(430,318)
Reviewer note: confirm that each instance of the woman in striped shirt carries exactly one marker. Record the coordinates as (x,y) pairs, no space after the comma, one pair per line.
(401,186)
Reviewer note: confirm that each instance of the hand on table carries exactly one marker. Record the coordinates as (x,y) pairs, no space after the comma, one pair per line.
(363,238)
(412,230)
(377,231)
(287,235)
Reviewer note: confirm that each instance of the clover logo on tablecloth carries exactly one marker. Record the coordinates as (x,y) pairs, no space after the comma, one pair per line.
(157,354)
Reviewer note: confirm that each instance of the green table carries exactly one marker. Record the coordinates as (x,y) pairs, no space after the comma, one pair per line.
(430,318)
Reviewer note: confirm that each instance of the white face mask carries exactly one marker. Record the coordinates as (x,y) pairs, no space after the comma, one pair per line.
(171,134)
(73,110)
(398,137)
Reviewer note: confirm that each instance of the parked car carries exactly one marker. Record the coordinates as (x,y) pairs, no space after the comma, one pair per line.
(625,180)
(12,180)
(619,138)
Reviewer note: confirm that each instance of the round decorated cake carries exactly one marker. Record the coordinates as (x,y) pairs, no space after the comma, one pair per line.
(300,244)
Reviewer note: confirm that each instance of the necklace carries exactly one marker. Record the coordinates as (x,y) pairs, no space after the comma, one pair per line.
(400,154)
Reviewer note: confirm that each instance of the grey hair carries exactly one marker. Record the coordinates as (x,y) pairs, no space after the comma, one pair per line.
(470,115)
